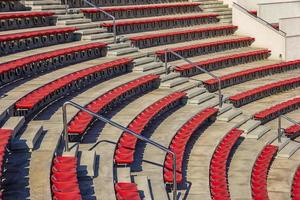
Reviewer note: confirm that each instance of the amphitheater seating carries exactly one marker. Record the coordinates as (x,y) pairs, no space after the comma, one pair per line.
(136,11)
(179,142)
(5,136)
(79,124)
(28,19)
(31,65)
(292,131)
(12,43)
(263,91)
(222,62)
(69,83)
(64,178)
(260,172)
(11,5)
(124,153)
(251,74)
(126,191)
(139,25)
(205,48)
(218,166)
(150,40)
(277,110)
(295,192)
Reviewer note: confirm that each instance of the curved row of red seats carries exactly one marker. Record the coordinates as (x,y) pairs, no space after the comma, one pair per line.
(250,74)
(293,130)
(259,172)
(64,180)
(140,7)
(189,69)
(180,140)
(14,15)
(218,166)
(263,91)
(19,63)
(127,191)
(207,44)
(33,98)
(5,136)
(295,192)
(82,120)
(25,35)
(160,19)
(124,153)
(279,109)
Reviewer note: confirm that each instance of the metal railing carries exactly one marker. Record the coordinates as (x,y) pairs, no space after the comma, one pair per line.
(280,130)
(198,67)
(105,120)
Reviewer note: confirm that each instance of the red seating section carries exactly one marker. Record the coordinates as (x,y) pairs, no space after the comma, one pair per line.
(15,15)
(82,120)
(253,12)
(260,172)
(279,109)
(218,166)
(127,191)
(149,40)
(45,92)
(263,91)
(124,153)
(64,180)
(250,74)
(221,62)
(292,131)
(5,136)
(295,192)
(180,140)
(13,70)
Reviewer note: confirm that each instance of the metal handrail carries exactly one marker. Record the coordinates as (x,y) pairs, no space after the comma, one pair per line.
(105,120)
(280,130)
(198,67)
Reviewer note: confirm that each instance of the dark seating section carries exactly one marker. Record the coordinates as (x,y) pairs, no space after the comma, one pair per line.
(292,131)
(28,19)
(222,62)
(81,122)
(124,153)
(277,110)
(137,11)
(251,74)
(180,140)
(151,24)
(205,48)
(31,65)
(12,43)
(218,166)
(66,85)
(150,40)
(295,191)
(127,191)
(64,180)
(264,91)
(259,173)
(11,5)
(5,136)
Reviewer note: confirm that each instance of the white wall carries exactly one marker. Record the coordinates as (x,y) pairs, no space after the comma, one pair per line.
(252,4)
(273,11)
(293,47)
(265,36)
(290,26)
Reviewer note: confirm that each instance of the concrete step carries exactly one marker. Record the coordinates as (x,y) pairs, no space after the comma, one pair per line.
(15,124)
(171,76)
(123,174)
(73,21)
(49,7)
(210,2)
(201,98)
(289,149)
(123,51)
(250,125)
(148,66)
(229,115)
(144,60)
(97,36)
(44,2)
(225,107)
(282,144)
(118,46)
(195,92)
(92,31)
(173,82)
(258,132)
(143,186)
(186,86)
(217,9)
(207,6)
(70,17)
(87,164)
(86,26)
(73,150)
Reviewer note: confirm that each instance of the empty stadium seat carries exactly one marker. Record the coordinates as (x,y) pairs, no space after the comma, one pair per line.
(295,192)
(277,110)
(11,5)
(180,140)
(218,166)
(251,74)
(150,40)
(5,136)
(292,131)
(264,91)
(126,191)
(28,66)
(70,83)
(222,62)
(260,172)
(124,153)
(132,26)
(79,124)
(12,43)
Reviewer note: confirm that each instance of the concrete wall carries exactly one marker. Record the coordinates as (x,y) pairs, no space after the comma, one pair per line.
(273,11)
(290,25)
(293,47)
(251,4)
(265,36)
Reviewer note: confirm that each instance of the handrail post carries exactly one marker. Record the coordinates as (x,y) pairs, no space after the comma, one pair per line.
(220,93)
(124,129)
(66,6)
(166,62)
(279,129)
